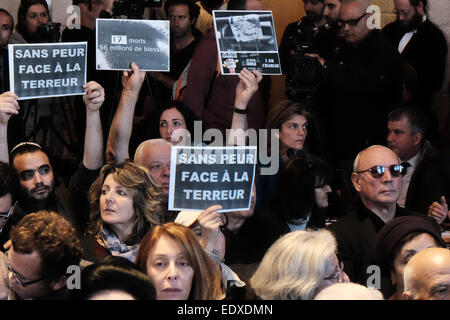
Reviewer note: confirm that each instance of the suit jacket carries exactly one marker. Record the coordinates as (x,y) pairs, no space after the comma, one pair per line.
(356,234)
(426,52)
(429,181)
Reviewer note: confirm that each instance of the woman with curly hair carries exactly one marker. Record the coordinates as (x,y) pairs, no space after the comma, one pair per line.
(125,203)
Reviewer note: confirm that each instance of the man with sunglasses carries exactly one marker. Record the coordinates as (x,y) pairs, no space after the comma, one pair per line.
(360,84)
(421,44)
(377,178)
(44,245)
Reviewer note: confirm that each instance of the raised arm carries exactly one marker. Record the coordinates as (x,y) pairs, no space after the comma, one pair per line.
(122,124)
(245,89)
(93,140)
(8,107)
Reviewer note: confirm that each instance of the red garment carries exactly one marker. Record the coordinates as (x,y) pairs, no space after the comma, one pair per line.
(211,95)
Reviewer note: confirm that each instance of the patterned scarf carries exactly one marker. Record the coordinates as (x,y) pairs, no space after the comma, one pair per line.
(117,247)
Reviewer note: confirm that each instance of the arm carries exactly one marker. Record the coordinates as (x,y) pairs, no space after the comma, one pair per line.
(246,88)
(122,124)
(8,107)
(93,141)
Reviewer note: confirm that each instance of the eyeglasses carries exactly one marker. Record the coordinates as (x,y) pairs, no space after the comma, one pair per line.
(351,23)
(4,217)
(338,274)
(19,278)
(377,172)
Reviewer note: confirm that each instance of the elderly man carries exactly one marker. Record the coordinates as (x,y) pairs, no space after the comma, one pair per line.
(377,177)
(427,275)
(361,83)
(421,44)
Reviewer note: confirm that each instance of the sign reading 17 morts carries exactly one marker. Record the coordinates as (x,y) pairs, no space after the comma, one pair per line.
(204,176)
(47,69)
(122,41)
(246,39)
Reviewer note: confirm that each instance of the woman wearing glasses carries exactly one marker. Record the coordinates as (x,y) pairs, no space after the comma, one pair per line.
(125,204)
(298,266)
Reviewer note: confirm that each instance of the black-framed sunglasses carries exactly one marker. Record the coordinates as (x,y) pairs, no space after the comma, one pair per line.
(19,278)
(377,172)
(4,217)
(351,23)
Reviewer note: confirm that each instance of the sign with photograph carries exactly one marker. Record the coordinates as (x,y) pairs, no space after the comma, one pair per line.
(41,70)
(204,176)
(246,39)
(119,42)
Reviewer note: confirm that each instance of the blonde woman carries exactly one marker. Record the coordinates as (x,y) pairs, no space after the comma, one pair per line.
(298,266)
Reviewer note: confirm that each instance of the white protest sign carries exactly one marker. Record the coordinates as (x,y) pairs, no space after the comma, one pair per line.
(204,176)
(41,70)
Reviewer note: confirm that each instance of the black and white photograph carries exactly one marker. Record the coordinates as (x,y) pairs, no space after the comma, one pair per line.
(246,39)
(120,42)
(47,69)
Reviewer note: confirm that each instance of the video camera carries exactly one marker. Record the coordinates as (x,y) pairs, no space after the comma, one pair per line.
(48,33)
(304,73)
(133,9)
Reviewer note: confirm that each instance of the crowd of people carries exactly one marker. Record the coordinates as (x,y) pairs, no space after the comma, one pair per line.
(355,210)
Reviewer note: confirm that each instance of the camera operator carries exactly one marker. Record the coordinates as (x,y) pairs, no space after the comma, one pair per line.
(314,33)
(32,14)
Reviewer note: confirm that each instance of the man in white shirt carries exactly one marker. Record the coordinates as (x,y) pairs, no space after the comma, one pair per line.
(421,44)
(425,180)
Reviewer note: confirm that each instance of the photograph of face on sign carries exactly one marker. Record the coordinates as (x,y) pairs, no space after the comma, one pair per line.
(245,31)
(120,42)
(246,39)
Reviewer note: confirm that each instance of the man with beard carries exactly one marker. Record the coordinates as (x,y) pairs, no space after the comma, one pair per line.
(421,44)
(36,176)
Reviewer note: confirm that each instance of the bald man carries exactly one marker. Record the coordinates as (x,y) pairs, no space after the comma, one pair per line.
(427,275)
(154,154)
(361,78)
(377,178)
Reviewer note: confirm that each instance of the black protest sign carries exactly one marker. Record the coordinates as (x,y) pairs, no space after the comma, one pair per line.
(47,69)
(120,42)
(204,176)
(246,39)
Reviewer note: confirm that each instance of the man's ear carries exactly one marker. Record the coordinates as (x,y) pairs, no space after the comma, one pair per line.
(421,8)
(406,295)
(417,138)
(59,283)
(356,180)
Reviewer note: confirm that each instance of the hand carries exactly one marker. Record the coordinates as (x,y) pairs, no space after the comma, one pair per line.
(8,106)
(439,211)
(94,97)
(315,55)
(132,80)
(246,88)
(210,222)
